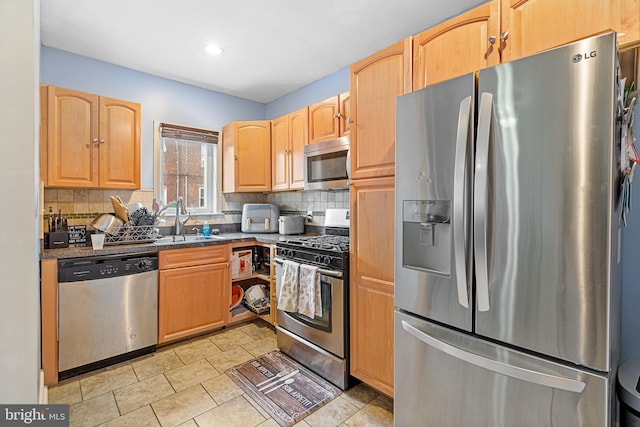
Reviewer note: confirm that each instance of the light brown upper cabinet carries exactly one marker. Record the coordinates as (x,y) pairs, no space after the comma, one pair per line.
(289,135)
(91,141)
(629,31)
(376,81)
(345,113)
(328,119)
(246,156)
(531,26)
(458,46)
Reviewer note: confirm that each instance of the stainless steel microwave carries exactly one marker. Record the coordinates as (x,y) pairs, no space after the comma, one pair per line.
(326,164)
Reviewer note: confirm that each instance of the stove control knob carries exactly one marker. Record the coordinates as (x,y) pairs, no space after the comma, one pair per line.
(326,260)
(316,258)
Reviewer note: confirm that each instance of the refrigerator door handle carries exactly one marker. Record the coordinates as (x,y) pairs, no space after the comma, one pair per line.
(523,374)
(459,198)
(480,202)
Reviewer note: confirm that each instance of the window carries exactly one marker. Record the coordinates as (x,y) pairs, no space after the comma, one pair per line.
(202,200)
(187,166)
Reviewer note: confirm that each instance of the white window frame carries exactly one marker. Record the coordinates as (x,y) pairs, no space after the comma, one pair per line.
(159,189)
(202,195)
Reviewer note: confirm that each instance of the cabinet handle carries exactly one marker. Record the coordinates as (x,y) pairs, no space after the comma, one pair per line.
(349,120)
(492,39)
(504,36)
(102,141)
(94,140)
(337,115)
(235,157)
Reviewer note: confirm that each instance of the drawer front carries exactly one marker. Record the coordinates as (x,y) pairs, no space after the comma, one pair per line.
(186,257)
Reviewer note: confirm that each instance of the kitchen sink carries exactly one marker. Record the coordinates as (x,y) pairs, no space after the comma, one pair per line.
(189,238)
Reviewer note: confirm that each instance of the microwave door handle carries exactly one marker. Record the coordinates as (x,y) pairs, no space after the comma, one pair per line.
(459,201)
(480,201)
(348,165)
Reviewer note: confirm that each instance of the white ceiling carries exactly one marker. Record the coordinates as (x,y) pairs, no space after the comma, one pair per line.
(271,47)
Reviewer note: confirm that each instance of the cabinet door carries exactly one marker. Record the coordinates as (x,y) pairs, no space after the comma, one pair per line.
(229,159)
(72,138)
(323,120)
(629,31)
(345,113)
(246,156)
(536,25)
(458,46)
(44,121)
(280,153)
(371,261)
(119,144)
(376,81)
(298,138)
(49,319)
(192,300)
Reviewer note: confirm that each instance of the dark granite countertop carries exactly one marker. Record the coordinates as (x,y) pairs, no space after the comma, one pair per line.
(225,238)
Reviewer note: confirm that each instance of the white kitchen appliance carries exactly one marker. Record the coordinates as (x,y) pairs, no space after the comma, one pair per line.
(260,218)
(291,224)
(507,252)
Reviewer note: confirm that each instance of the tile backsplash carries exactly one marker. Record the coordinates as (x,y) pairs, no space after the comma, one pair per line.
(81,206)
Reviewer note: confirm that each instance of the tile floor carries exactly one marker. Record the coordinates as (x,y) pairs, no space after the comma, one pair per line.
(184,384)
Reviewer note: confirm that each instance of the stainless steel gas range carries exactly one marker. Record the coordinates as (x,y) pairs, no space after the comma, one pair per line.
(321,342)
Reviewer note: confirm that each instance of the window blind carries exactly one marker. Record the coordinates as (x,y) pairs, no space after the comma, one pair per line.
(168,130)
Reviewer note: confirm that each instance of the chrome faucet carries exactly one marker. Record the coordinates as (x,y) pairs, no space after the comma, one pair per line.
(180,210)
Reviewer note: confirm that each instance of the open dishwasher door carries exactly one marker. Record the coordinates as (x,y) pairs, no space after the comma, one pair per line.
(107,310)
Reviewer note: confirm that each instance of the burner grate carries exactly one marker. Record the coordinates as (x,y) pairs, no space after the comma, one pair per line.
(326,242)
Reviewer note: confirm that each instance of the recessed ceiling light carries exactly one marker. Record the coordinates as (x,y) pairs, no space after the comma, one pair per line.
(213,49)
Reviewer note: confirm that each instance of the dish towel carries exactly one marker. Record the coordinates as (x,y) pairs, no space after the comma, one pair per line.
(310,301)
(288,299)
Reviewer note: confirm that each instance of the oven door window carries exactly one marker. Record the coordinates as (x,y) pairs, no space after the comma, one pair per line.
(323,322)
(327,167)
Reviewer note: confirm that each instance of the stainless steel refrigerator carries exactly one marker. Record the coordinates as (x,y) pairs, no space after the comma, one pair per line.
(507,251)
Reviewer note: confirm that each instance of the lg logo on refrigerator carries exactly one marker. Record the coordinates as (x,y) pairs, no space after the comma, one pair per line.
(579,57)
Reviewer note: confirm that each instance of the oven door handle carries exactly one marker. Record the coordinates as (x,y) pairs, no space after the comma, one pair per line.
(330,273)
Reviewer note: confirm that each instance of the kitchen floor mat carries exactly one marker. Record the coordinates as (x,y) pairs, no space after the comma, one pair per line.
(281,386)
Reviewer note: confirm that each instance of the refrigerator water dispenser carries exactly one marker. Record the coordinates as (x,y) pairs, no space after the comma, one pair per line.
(426,235)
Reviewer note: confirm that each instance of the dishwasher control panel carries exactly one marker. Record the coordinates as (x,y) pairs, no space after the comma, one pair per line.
(90,268)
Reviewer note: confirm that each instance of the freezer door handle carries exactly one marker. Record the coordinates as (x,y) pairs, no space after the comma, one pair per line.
(459,198)
(512,371)
(480,202)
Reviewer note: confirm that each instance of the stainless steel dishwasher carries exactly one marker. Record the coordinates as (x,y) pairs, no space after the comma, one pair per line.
(107,310)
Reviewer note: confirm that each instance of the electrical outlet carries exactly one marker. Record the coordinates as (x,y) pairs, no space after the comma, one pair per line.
(309,213)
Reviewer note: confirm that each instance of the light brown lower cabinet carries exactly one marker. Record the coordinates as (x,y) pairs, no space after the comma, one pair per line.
(49,319)
(371,287)
(193,291)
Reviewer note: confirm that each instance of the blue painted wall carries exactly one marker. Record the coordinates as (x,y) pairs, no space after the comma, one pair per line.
(324,88)
(171,101)
(161,99)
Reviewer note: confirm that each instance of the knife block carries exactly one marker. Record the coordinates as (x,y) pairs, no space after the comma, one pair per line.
(56,240)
